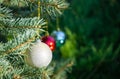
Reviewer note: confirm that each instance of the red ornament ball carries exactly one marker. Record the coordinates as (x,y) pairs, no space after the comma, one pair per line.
(49,40)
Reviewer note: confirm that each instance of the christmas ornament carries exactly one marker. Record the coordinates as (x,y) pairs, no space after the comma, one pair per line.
(39,55)
(49,40)
(59,37)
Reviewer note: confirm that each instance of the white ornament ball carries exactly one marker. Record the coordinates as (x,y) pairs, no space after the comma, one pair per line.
(39,55)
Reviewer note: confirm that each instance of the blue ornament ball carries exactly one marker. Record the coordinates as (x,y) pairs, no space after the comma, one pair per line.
(59,37)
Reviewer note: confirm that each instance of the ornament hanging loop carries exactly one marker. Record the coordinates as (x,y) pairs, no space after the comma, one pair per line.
(39,14)
(47,33)
(57,23)
(39,9)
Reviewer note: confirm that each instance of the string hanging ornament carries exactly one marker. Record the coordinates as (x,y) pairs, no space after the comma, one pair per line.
(39,54)
(49,40)
(58,35)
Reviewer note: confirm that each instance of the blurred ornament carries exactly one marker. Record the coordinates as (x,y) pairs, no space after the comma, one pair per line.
(59,37)
(39,55)
(49,40)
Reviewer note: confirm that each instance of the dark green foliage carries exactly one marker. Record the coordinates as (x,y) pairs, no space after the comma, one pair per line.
(95,27)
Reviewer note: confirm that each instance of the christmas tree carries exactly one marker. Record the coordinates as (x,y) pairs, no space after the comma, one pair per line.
(24,51)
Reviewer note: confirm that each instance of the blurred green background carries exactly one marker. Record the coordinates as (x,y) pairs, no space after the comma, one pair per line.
(93,38)
(92,28)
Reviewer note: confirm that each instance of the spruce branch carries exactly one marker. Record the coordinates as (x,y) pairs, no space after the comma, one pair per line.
(61,6)
(24,23)
(68,65)
(51,8)
(1,47)
(21,42)
(21,45)
(5,12)
(20,3)
(5,67)
(38,73)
